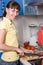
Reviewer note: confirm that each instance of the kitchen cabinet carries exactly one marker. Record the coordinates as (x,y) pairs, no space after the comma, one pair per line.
(2,6)
(29,10)
(5,2)
(39,6)
(0,9)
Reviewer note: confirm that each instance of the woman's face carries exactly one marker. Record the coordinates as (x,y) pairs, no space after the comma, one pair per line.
(12,13)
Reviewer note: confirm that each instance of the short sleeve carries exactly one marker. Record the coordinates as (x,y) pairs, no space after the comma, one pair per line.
(3,25)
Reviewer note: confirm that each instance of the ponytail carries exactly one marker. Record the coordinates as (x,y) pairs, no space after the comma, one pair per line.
(4,14)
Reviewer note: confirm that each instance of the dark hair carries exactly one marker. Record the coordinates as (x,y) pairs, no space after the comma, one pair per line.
(12,4)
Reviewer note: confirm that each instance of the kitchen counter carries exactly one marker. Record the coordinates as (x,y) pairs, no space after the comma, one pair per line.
(34,60)
(30,60)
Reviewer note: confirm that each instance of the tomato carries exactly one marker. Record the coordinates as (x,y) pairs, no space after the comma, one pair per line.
(32,48)
(28,48)
(26,44)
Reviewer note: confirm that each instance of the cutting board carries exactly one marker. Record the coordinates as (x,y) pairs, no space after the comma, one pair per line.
(30,57)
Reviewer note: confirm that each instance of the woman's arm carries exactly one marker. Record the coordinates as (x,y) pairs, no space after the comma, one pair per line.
(2,38)
(3,46)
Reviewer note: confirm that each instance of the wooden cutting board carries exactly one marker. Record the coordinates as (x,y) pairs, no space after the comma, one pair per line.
(30,57)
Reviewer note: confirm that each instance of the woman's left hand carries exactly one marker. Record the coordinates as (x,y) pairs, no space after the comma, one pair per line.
(26,51)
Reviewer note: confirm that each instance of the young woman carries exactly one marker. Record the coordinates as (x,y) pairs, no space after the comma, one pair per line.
(8,36)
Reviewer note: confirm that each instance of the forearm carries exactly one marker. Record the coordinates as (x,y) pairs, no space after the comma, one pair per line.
(7,48)
(11,48)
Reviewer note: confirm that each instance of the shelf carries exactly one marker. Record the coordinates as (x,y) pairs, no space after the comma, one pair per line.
(35,4)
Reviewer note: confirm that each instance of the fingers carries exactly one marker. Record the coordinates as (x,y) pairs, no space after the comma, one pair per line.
(29,51)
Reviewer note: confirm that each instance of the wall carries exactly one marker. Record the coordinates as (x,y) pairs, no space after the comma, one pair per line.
(27,32)
(23,26)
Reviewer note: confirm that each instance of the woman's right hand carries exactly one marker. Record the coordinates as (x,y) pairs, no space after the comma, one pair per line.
(19,51)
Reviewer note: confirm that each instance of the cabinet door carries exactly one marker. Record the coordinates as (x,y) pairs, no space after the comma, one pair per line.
(6,1)
(1,7)
(3,4)
(21,6)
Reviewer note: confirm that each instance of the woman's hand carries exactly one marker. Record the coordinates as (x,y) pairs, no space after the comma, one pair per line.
(26,51)
(20,51)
